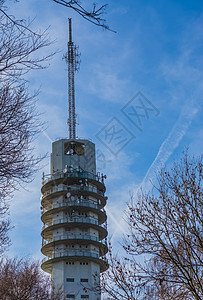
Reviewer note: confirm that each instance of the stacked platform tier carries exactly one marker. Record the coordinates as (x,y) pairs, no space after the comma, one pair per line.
(74,218)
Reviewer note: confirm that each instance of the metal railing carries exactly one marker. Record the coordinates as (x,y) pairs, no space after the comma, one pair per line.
(72,188)
(87,203)
(74,236)
(87,220)
(79,203)
(76,219)
(77,174)
(75,253)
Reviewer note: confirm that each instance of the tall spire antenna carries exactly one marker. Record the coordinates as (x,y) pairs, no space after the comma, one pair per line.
(71,84)
(72,58)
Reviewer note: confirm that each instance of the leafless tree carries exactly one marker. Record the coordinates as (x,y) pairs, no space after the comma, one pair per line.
(22,279)
(164,249)
(19,46)
(19,119)
(19,122)
(94,15)
(18,126)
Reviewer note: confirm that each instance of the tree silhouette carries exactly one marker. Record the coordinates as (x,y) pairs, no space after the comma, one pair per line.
(164,247)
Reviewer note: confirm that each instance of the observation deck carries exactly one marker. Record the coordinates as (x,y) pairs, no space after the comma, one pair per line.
(74,218)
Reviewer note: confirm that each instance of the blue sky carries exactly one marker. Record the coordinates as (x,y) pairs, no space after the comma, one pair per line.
(157,51)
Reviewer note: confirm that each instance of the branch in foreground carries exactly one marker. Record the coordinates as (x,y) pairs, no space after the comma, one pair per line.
(94,16)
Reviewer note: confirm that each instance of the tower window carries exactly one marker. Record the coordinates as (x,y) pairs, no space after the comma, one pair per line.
(70,279)
(83,279)
(84,296)
(69,296)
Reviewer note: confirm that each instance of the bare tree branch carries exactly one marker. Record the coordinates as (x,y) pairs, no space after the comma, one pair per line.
(19,23)
(18,48)
(19,124)
(164,248)
(94,16)
(19,119)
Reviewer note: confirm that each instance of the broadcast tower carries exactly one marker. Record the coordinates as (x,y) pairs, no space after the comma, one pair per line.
(73,199)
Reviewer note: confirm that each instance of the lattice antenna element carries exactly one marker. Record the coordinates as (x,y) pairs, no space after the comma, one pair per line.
(72,58)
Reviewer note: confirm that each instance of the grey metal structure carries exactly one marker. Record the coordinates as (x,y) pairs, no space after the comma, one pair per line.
(74,219)
(73,65)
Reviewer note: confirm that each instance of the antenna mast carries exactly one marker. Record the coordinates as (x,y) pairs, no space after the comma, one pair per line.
(72,58)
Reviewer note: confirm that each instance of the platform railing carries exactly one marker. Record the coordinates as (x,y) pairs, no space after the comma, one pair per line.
(87,220)
(71,188)
(74,236)
(76,219)
(84,203)
(75,253)
(79,203)
(73,174)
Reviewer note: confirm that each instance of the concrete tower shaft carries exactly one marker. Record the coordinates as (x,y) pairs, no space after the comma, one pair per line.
(74,231)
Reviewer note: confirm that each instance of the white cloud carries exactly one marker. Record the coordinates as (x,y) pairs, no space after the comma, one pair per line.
(108,84)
